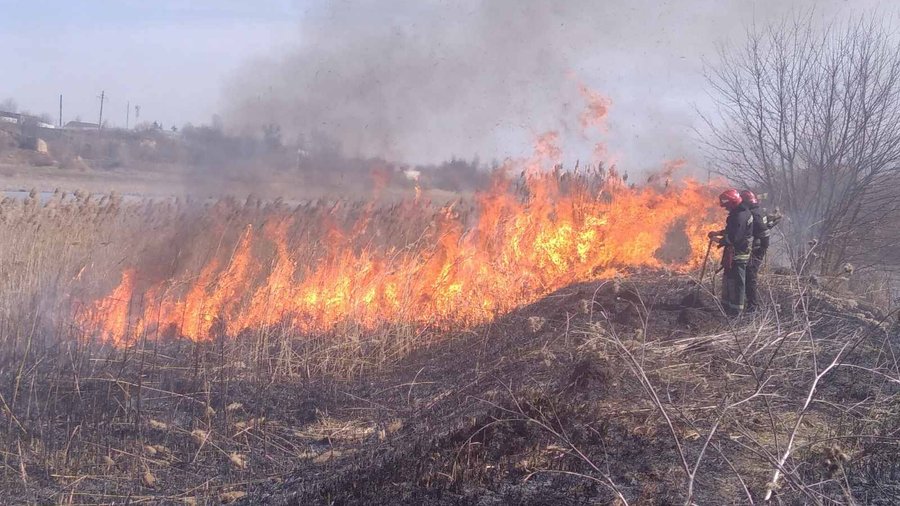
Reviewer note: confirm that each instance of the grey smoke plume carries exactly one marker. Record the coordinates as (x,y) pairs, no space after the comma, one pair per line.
(421,80)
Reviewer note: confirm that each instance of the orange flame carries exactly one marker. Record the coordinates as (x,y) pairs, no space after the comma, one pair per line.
(525,242)
(521,247)
(595,112)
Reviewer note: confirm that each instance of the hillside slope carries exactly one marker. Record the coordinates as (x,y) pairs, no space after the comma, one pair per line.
(630,390)
(566,402)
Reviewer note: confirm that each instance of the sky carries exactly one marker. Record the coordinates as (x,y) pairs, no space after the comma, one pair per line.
(170,57)
(415,80)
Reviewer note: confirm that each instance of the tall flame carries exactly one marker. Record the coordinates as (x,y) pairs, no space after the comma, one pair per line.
(525,241)
(523,244)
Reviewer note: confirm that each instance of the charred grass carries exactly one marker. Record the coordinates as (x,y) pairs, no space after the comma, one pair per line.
(627,391)
(600,392)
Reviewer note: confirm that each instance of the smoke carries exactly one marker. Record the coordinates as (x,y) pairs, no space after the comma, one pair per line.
(420,81)
(424,80)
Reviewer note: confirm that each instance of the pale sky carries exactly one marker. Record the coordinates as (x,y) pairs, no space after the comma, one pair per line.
(168,56)
(179,59)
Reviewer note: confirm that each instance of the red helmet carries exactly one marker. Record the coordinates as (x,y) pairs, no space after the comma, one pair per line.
(729,199)
(749,197)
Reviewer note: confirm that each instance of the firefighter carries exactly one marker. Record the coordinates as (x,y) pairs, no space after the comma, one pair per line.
(736,240)
(762,226)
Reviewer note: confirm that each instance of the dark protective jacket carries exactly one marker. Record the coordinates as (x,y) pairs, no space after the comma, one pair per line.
(762,227)
(738,233)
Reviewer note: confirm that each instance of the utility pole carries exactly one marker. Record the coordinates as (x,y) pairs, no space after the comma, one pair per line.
(127,113)
(137,114)
(60,111)
(102,98)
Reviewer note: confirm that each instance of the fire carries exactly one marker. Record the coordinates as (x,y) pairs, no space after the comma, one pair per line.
(115,308)
(522,245)
(523,239)
(596,110)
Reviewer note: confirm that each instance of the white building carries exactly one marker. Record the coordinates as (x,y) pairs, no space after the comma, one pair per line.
(9,117)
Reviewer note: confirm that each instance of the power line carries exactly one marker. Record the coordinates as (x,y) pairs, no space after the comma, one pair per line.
(102,98)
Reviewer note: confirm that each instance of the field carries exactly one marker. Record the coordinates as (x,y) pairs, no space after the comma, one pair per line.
(544,342)
(205,164)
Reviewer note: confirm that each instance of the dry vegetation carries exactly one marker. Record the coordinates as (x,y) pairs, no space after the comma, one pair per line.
(621,390)
(629,388)
(206,162)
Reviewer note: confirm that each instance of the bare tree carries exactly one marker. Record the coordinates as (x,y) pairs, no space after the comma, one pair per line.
(811,115)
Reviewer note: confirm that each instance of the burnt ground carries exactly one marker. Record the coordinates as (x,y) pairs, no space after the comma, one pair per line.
(629,390)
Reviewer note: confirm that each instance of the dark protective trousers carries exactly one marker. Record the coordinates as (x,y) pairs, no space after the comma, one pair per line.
(733,291)
(753,267)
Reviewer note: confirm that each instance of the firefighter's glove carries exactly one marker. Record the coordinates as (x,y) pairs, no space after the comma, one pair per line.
(714,234)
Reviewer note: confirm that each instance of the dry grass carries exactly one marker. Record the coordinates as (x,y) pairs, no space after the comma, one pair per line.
(67,397)
(172,420)
(65,250)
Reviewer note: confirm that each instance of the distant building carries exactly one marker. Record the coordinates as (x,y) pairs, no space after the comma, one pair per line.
(9,117)
(81,125)
(23,119)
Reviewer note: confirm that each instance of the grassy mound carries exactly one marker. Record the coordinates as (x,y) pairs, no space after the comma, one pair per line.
(624,391)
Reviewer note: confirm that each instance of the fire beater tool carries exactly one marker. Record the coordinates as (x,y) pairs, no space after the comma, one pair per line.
(703,271)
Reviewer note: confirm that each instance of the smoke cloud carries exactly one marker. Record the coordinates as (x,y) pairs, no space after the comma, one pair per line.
(424,80)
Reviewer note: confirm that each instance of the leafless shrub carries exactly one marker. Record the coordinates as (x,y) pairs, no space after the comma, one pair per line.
(811,116)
